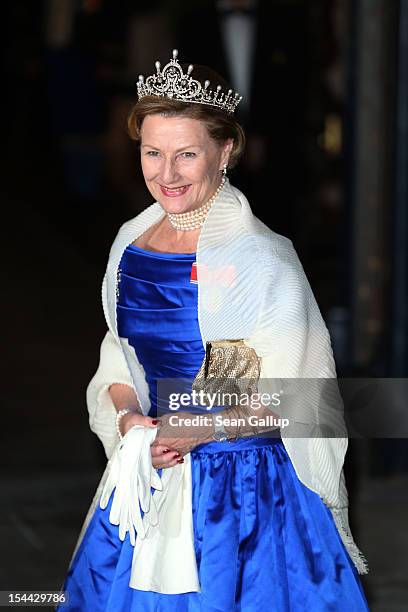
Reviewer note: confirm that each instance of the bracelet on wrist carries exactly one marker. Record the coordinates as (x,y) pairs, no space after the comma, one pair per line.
(221,435)
(119,415)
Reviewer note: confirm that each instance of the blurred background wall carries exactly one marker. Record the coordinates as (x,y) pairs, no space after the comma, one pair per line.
(325,85)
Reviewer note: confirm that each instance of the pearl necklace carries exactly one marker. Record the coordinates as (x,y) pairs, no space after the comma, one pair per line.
(193,219)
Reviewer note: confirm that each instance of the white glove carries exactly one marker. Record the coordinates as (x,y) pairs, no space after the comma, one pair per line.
(132,475)
(142,479)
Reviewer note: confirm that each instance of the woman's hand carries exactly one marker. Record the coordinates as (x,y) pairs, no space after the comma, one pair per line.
(135,418)
(162,456)
(182,436)
(124,396)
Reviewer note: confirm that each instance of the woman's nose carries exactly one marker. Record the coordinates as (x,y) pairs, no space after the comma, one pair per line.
(169,172)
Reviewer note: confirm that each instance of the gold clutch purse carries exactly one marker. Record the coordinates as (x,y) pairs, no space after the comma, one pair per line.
(229,367)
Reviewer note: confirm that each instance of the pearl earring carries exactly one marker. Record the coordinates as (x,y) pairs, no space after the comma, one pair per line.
(224,170)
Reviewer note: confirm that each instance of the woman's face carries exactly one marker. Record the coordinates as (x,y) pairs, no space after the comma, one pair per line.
(181,164)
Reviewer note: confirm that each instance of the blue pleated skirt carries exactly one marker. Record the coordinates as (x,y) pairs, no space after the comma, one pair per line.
(262,540)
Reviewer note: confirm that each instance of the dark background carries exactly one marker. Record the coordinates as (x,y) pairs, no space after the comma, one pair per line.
(326,165)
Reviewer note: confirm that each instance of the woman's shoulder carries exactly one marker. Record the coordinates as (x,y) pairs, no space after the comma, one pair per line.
(144,216)
(262,241)
(278,272)
(132,228)
(269,247)
(273,260)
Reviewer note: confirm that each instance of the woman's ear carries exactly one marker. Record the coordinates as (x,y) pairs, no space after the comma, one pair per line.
(226,152)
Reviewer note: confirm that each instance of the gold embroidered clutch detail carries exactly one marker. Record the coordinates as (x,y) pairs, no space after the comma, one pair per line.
(229,367)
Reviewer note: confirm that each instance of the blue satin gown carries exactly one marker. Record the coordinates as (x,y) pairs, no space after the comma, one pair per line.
(263,540)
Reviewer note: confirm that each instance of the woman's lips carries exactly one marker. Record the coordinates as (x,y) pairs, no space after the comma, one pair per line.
(174,193)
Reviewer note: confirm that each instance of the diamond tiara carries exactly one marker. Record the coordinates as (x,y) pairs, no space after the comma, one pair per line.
(173,83)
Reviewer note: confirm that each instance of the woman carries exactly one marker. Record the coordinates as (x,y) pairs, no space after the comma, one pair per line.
(261,520)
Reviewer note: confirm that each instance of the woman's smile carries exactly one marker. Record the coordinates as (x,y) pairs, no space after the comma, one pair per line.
(174,192)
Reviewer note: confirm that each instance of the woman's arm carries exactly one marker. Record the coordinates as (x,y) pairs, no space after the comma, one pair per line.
(124,396)
(110,390)
(182,430)
(112,368)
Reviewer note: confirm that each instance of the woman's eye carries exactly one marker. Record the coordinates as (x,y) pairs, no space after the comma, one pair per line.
(152,153)
(188,154)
